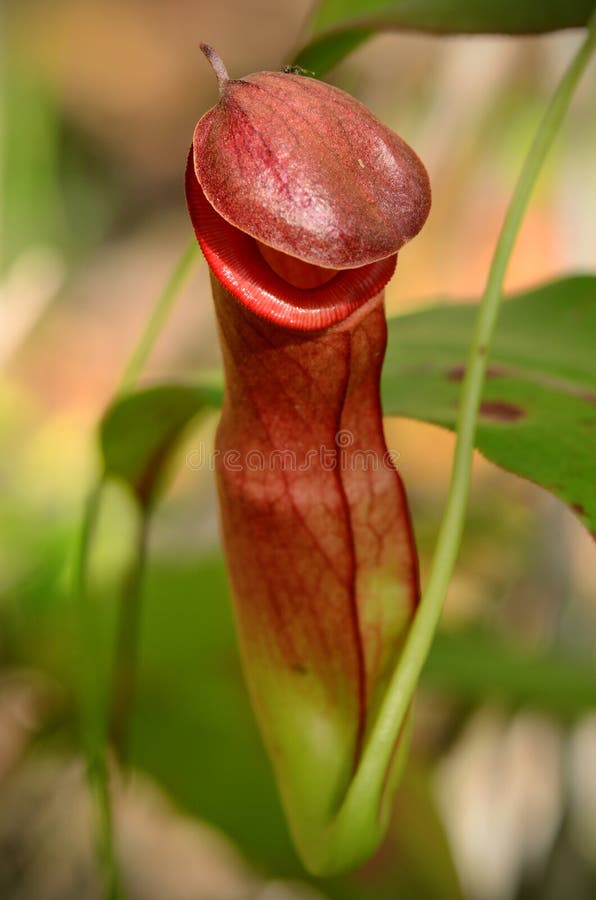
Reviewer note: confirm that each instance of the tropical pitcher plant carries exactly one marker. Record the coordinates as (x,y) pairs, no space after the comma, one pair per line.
(301,199)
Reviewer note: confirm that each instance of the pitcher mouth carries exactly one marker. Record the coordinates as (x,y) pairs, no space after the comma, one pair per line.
(239,264)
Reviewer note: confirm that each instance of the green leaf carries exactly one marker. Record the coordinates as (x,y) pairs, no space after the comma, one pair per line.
(340,25)
(538,415)
(326,51)
(140,431)
(476,666)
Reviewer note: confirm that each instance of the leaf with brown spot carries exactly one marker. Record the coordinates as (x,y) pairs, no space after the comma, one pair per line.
(501,411)
(537,414)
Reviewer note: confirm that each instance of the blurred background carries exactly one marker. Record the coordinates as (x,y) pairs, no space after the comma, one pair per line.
(99,101)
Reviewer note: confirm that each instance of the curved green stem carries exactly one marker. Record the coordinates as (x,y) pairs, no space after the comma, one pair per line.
(92,701)
(124,675)
(157,319)
(357,824)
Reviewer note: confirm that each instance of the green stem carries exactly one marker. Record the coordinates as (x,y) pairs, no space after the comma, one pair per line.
(157,319)
(92,701)
(357,821)
(125,660)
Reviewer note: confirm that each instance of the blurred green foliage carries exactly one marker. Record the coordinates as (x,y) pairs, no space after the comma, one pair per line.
(51,178)
(339,26)
(193,730)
